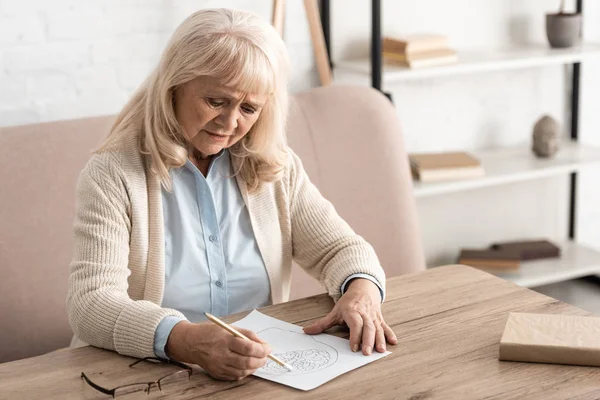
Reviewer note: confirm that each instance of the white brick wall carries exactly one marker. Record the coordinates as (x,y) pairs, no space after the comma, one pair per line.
(72,58)
(23,29)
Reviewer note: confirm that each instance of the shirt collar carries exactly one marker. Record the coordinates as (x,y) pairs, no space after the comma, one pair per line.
(190,165)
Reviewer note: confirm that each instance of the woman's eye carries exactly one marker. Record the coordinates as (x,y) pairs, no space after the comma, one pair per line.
(248,110)
(215,103)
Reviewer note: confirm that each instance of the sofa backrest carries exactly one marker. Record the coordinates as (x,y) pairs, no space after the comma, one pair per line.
(348,138)
(350,142)
(39,166)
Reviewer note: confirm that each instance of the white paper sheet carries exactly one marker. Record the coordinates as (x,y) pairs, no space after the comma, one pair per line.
(316,358)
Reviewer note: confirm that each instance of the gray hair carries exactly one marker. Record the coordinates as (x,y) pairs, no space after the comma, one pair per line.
(232,46)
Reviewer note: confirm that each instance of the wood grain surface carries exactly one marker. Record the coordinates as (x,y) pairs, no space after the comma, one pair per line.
(449,321)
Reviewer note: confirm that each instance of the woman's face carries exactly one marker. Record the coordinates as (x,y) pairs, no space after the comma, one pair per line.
(215,116)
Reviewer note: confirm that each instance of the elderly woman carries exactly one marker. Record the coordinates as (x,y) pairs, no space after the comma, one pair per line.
(195,204)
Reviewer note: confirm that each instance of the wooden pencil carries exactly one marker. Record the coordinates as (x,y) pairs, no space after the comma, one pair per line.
(236,333)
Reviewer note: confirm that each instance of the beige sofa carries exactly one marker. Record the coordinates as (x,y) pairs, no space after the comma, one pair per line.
(348,138)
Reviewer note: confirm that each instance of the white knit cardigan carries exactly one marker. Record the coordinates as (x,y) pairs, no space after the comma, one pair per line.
(117,274)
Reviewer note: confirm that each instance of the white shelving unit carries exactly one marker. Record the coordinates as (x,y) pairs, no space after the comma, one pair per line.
(575,261)
(480,61)
(509,165)
(512,165)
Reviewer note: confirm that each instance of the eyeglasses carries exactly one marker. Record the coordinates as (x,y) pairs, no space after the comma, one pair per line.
(177,376)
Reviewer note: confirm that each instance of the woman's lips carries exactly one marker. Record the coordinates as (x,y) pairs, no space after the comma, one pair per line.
(217,137)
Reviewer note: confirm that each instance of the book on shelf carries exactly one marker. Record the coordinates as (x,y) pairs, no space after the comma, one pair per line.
(425,59)
(489,259)
(503,256)
(418,50)
(444,166)
(414,43)
(530,249)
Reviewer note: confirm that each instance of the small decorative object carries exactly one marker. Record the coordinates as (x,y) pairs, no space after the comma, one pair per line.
(545,137)
(563,29)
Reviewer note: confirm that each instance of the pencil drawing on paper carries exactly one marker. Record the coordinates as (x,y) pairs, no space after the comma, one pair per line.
(304,353)
(303,361)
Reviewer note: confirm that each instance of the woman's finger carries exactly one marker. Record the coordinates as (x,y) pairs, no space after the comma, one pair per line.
(368,334)
(355,323)
(248,348)
(229,373)
(245,363)
(390,336)
(379,338)
(250,335)
(322,324)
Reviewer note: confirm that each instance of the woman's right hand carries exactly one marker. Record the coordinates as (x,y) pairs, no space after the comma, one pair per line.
(217,351)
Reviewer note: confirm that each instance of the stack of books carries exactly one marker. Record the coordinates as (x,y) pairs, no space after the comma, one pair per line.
(508,256)
(444,166)
(490,260)
(530,249)
(418,50)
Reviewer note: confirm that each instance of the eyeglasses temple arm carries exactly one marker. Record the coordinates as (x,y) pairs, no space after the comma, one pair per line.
(99,388)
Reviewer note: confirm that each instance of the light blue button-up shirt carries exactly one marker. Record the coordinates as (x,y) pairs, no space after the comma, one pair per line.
(212,260)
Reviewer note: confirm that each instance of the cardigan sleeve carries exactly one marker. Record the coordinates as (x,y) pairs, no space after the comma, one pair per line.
(100,311)
(323,244)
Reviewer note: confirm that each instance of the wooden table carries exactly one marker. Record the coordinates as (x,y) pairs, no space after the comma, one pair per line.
(449,321)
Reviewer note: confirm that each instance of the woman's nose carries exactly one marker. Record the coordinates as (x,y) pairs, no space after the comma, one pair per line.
(228,120)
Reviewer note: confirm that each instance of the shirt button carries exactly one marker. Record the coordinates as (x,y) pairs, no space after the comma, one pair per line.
(212,238)
(219,284)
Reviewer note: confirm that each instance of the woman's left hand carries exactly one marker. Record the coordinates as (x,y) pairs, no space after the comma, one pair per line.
(360,308)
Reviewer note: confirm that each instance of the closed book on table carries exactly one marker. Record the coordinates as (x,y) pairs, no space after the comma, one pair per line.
(530,249)
(490,259)
(443,166)
(555,339)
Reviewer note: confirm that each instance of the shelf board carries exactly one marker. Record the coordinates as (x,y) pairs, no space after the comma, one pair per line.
(575,261)
(481,61)
(512,165)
